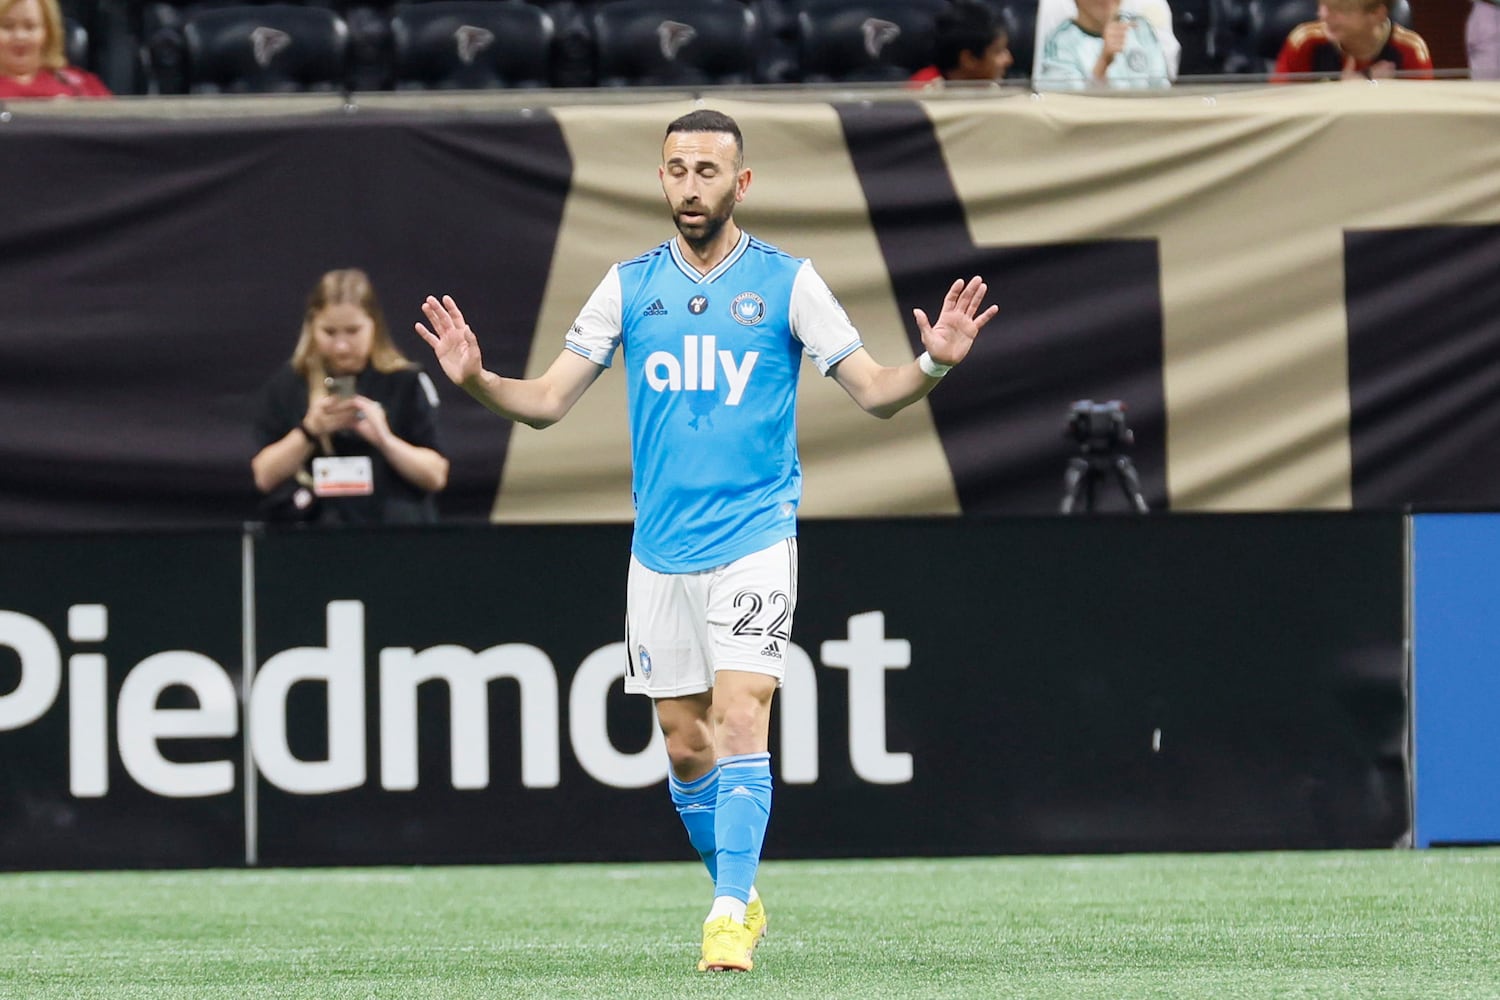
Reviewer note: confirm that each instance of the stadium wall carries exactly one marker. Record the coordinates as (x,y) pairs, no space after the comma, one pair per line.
(1291,288)
(1455,686)
(957,686)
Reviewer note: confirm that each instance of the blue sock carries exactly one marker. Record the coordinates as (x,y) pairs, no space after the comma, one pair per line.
(744,808)
(695,801)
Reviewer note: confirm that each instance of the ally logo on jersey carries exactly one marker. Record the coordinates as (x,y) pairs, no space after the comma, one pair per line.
(698,368)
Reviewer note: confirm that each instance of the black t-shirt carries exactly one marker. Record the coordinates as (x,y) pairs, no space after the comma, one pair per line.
(410,403)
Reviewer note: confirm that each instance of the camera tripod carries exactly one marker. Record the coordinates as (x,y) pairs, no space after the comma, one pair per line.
(1086,470)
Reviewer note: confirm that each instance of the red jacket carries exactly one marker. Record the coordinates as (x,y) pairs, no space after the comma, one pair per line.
(926,77)
(66,82)
(1309,49)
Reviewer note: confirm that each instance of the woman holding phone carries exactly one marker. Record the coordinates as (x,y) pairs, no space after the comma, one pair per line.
(347,430)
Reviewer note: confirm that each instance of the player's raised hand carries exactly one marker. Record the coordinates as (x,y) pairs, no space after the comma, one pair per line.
(949,339)
(451,340)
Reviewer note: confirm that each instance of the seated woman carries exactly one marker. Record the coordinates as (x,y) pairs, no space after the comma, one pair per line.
(347,430)
(32,63)
(1102,46)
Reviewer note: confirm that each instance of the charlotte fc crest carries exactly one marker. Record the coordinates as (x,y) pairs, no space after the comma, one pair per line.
(748,308)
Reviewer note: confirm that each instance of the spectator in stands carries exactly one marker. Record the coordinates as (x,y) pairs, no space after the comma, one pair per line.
(1051,13)
(1482,39)
(347,431)
(1102,46)
(972,44)
(32,63)
(1357,40)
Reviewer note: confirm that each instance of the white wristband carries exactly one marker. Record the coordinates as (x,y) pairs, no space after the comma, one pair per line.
(931,368)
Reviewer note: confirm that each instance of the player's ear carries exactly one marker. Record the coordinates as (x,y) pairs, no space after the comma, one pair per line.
(742,184)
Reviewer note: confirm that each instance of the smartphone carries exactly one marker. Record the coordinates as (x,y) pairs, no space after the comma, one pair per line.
(341,386)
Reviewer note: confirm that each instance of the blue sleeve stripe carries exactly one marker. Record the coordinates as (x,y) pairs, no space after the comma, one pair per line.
(601,358)
(841,355)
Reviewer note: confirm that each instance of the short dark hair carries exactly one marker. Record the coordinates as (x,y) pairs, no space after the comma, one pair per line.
(706,120)
(967,26)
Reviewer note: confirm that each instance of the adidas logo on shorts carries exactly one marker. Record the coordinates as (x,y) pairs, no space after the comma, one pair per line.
(655,309)
(773,648)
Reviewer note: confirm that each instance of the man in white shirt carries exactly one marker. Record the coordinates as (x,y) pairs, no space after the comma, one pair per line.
(1051,14)
(1102,46)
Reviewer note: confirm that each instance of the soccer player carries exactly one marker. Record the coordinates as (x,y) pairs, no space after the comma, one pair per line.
(714,324)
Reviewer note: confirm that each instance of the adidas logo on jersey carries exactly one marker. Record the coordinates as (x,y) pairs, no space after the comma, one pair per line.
(655,309)
(772,649)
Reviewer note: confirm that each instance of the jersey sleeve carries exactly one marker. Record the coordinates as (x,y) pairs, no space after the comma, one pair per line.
(277,410)
(1061,65)
(596,332)
(819,321)
(422,414)
(1416,59)
(1296,53)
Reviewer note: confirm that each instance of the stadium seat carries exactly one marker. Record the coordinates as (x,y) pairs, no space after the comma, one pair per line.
(673,43)
(75,43)
(865,40)
(472,44)
(776,41)
(1276,22)
(1236,45)
(114,45)
(276,48)
(161,48)
(1193,24)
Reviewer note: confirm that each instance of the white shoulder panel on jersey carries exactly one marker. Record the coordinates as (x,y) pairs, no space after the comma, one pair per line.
(428,389)
(596,332)
(819,321)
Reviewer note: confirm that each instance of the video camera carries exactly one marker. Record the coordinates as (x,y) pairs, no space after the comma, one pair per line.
(1099,427)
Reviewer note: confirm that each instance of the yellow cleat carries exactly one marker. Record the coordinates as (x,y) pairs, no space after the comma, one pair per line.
(727,946)
(756,921)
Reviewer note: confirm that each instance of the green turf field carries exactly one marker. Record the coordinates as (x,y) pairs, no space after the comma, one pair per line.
(1397,924)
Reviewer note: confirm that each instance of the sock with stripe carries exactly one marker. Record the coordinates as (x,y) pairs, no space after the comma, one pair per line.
(743,809)
(696,803)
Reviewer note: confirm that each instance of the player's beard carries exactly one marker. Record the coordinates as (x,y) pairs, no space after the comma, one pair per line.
(699,235)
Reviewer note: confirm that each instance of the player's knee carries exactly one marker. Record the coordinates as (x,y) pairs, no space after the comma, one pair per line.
(739,728)
(690,752)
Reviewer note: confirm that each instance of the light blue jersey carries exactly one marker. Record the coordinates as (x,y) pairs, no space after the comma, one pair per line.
(712,363)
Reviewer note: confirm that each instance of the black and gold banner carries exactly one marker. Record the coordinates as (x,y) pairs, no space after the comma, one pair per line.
(1292,289)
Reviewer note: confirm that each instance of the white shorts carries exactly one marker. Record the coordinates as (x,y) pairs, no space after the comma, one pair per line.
(680,628)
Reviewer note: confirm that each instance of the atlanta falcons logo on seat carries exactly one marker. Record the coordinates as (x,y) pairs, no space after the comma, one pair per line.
(471,41)
(266,42)
(878,34)
(673,35)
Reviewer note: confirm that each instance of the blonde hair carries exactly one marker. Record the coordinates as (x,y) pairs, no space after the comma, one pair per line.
(53,56)
(347,286)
